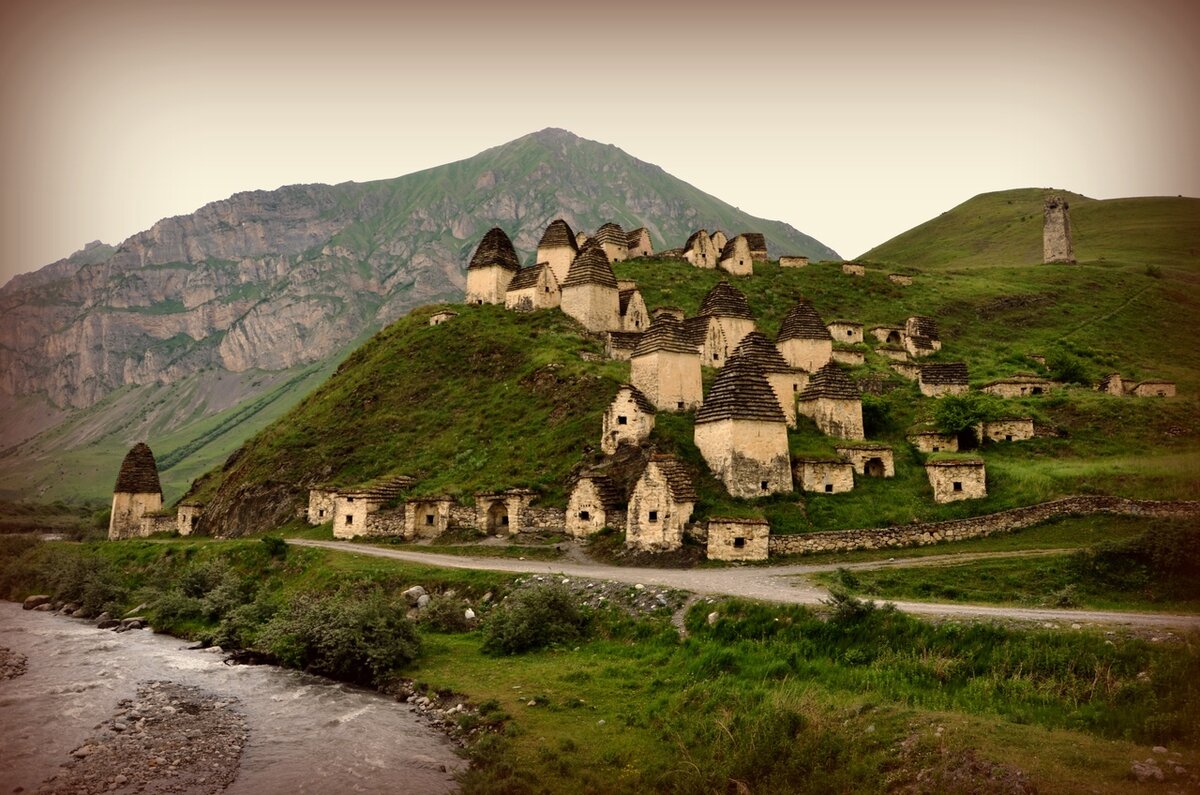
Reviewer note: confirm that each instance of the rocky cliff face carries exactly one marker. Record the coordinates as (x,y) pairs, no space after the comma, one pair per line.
(269,280)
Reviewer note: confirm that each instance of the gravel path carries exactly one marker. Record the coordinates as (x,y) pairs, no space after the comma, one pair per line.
(776,583)
(172,738)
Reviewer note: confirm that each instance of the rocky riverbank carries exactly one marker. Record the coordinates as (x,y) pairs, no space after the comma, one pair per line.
(171,738)
(12,664)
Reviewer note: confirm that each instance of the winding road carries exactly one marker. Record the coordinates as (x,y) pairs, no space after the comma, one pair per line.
(785,583)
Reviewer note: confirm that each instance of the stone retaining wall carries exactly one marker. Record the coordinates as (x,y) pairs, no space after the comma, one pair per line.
(923,533)
(543,520)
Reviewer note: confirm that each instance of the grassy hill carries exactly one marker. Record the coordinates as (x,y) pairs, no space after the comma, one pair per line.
(495,399)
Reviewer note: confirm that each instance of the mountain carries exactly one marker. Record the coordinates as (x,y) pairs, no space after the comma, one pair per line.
(204,327)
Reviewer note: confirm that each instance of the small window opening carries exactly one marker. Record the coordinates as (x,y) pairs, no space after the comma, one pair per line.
(546,289)
(716,356)
(504,520)
(1037,390)
(849,333)
(622,420)
(653,516)
(321,513)
(958,485)
(795,387)
(763,485)
(584,515)
(739,542)
(680,405)
(1008,437)
(349,519)
(937,449)
(829,488)
(429,519)
(1161,393)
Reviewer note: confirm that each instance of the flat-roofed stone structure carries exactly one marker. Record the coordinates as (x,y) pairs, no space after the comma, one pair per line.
(742,432)
(824,475)
(786,381)
(736,258)
(611,237)
(137,493)
(1021,385)
(426,517)
(320,505)
(833,402)
(660,506)
(793,262)
(596,502)
(558,248)
(638,244)
(731,538)
(492,267)
(443,316)
(352,508)
(894,352)
(888,335)
(870,459)
(502,512)
(1056,231)
(934,442)
(947,378)
(629,419)
(1009,430)
(847,355)
(532,288)
(590,293)
(803,338)
(1153,389)
(900,279)
(906,369)
(666,368)
(854,269)
(188,517)
(700,251)
(845,331)
(957,479)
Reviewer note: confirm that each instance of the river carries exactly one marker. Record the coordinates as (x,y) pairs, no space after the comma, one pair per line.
(306,733)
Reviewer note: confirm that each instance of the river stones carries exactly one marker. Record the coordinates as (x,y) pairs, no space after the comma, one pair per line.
(35,601)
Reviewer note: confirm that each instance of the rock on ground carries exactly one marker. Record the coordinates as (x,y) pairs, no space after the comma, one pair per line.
(171,738)
(12,664)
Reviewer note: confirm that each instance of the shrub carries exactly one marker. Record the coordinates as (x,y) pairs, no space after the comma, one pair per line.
(356,638)
(276,547)
(1067,367)
(846,609)
(532,619)
(444,614)
(957,414)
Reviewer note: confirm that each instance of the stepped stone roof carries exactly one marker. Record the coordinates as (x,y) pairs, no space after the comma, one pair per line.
(639,399)
(830,382)
(919,326)
(383,490)
(695,329)
(951,373)
(526,278)
(803,323)
(624,340)
(692,238)
(611,495)
(590,266)
(495,250)
(757,348)
(845,323)
(558,233)
(725,300)
(740,392)
(755,240)
(730,247)
(634,236)
(665,334)
(624,297)
(139,472)
(678,479)
(611,233)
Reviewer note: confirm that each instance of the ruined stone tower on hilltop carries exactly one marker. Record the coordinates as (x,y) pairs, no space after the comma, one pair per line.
(1056,231)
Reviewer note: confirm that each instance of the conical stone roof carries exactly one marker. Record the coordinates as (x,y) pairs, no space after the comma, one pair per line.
(741,392)
(139,472)
(725,300)
(830,382)
(611,233)
(590,266)
(803,323)
(557,234)
(757,348)
(665,334)
(495,250)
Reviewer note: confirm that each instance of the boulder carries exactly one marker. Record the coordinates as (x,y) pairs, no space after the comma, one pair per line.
(107,623)
(423,601)
(45,607)
(469,614)
(69,608)
(136,610)
(35,601)
(413,594)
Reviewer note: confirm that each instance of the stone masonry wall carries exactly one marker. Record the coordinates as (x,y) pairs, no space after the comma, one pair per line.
(924,533)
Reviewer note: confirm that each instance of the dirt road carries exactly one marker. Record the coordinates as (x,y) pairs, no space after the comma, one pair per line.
(776,583)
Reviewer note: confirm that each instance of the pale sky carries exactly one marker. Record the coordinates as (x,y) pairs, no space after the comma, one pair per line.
(853,121)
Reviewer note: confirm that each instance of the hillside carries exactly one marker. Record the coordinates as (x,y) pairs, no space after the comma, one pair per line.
(400,405)
(193,324)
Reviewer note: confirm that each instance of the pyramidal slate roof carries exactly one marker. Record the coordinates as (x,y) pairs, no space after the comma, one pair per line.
(676,474)
(731,245)
(139,472)
(639,398)
(803,323)
(830,382)
(495,249)
(611,495)
(611,233)
(623,299)
(946,373)
(558,233)
(695,329)
(590,266)
(526,278)
(634,236)
(755,240)
(383,490)
(725,300)
(665,334)
(693,237)
(740,392)
(920,326)
(757,348)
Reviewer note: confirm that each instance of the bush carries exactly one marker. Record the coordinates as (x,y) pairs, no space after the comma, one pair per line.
(957,414)
(356,638)
(532,619)
(1067,367)
(276,547)
(444,614)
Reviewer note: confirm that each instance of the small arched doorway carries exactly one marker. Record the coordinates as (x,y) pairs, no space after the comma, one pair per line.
(893,337)
(874,467)
(497,517)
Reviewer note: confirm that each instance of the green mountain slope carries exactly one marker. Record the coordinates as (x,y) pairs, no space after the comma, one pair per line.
(495,399)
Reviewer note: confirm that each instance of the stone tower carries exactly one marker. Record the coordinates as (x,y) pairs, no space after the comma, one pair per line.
(492,267)
(136,494)
(590,293)
(1056,231)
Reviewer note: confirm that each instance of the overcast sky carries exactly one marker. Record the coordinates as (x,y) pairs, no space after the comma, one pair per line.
(852,121)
